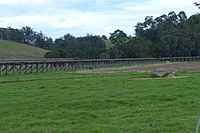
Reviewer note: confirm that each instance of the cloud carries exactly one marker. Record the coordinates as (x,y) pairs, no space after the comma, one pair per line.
(58,17)
(159,6)
(23,2)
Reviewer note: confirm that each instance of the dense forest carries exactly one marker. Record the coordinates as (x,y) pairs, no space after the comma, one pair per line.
(171,35)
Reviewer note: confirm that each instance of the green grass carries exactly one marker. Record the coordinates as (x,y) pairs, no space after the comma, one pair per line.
(98,103)
(13,50)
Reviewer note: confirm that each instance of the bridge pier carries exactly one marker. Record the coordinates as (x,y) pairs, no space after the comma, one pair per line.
(15,67)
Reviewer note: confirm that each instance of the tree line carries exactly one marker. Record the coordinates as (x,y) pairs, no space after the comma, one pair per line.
(70,46)
(26,35)
(171,35)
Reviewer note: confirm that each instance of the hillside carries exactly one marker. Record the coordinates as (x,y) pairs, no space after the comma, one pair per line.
(13,50)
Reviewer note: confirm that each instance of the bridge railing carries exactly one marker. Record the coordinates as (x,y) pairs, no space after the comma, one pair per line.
(48,65)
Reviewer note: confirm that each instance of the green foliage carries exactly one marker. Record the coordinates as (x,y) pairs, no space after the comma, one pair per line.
(172,35)
(108,44)
(80,47)
(129,47)
(58,53)
(114,103)
(197,4)
(13,50)
(118,37)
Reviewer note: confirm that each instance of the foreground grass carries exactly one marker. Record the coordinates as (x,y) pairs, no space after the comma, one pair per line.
(13,50)
(98,103)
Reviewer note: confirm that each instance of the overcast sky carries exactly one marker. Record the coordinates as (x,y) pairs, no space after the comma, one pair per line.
(79,17)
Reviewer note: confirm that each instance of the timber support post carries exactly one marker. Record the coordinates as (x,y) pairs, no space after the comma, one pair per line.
(46,65)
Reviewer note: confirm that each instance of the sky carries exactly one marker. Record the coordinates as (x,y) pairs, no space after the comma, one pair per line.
(56,18)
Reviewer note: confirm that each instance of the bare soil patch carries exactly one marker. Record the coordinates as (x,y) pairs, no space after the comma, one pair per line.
(175,77)
(174,67)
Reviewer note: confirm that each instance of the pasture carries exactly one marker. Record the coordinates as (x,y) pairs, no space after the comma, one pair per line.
(71,102)
(13,50)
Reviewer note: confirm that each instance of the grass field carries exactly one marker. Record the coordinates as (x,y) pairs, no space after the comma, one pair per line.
(13,50)
(98,103)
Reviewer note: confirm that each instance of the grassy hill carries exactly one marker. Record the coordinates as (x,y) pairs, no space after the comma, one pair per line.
(13,50)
